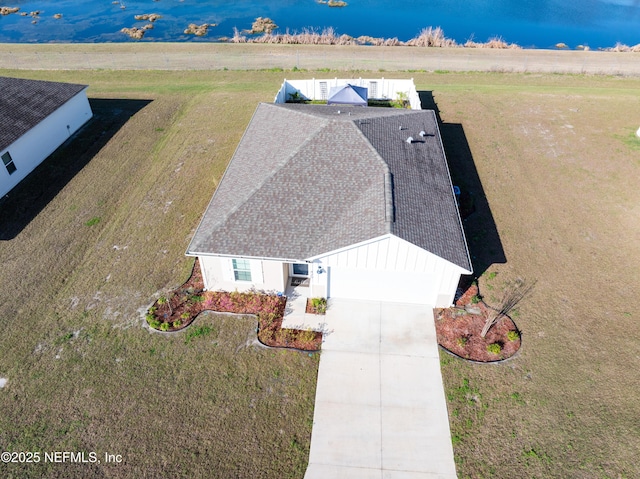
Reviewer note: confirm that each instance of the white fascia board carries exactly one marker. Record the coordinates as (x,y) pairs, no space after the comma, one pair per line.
(192,253)
(243,256)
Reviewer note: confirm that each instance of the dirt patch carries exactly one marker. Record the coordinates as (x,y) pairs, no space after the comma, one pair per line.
(458,330)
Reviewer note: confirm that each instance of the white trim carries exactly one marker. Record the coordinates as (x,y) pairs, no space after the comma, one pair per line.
(240,256)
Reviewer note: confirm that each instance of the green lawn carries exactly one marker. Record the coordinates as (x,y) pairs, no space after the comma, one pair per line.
(108,219)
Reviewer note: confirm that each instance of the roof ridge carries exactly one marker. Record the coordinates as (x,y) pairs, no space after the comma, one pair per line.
(388,179)
(258,186)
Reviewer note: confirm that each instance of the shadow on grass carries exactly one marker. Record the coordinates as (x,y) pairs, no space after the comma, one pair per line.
(480,228)
(22,204)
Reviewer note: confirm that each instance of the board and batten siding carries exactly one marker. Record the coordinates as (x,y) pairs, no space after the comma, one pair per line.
(218,274)
(395,268)
(32,148)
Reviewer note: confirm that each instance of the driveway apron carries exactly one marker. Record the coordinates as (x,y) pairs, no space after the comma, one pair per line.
(380,410)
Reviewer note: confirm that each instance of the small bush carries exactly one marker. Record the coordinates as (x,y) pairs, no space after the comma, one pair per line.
(319,305)
(307,336)
(185,315)
(177,323)
(475,299)
(462,341)
(164,327)
(513,335)
(284,335)
(494,348)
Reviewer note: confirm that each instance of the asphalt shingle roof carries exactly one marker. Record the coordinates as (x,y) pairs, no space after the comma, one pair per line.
(309,179)
(25,103)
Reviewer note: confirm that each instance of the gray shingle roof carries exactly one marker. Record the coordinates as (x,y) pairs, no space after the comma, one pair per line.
(25,103)
(306,180)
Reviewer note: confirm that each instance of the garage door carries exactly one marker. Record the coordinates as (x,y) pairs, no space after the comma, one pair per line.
(399,286)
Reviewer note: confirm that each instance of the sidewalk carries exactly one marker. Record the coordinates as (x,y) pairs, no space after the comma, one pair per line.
(380,409)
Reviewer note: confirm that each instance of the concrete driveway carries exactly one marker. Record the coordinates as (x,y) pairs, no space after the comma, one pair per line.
(380,410)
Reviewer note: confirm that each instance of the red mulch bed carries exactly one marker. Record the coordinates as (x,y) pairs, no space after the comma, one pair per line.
(181,307)
(458,331)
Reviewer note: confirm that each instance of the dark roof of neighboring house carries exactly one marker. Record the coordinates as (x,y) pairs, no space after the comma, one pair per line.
(25,103)
(310,179)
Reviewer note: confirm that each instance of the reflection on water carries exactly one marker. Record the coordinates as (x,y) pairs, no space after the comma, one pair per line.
(539,23)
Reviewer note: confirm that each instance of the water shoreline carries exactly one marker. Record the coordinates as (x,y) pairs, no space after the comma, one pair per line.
(314,58)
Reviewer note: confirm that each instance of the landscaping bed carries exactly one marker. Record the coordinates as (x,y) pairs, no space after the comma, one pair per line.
(182,306)
(458,330)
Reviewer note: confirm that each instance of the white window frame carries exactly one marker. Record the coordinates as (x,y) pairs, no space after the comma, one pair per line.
(246,270)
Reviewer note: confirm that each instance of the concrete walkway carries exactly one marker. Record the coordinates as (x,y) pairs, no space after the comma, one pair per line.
(380,409)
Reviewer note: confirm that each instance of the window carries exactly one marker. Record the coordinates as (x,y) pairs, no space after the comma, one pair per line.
(8,163)
(241,269)
(323,90)
(300,269)
(373,89)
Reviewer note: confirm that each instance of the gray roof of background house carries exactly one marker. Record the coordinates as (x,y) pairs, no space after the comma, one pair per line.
(25,103)
(309,179)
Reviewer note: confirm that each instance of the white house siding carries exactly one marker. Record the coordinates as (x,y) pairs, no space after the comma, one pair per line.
(391,269)
(37,144)
(218,274)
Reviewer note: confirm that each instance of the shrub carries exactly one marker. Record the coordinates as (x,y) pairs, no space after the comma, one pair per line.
(307,336)
(494,348)
(462,341)
(164,327)
(513,335)
(185,315)
(319,305)
(475,299)
(177,323)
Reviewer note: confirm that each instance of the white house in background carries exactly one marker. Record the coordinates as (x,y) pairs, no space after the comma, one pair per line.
(377,89)
(344,201)
(36,117)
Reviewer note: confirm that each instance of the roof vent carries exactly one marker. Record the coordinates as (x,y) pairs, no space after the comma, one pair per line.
(338,112)
(401,128)
(423,133)
(410,139)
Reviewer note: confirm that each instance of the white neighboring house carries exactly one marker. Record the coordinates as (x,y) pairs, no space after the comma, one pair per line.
(346,201)
(36,117)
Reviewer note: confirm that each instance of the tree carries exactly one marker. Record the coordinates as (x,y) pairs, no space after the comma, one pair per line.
(513,294)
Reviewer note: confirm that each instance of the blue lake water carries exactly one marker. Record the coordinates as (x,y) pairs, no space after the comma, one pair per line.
(529,23)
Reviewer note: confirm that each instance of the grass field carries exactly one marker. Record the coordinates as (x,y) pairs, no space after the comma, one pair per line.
(89,241)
